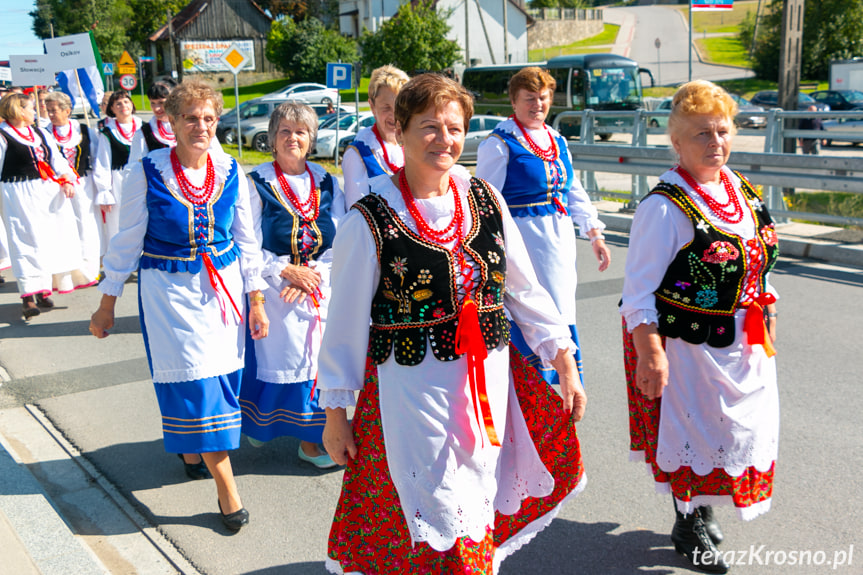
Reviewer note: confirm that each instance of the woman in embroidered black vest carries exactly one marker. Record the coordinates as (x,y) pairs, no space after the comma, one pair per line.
(701,247)
(115,140)
(187,228)
(296,205)
(78,145)
(374,151)
(37,186)
(446,468)
(530,163)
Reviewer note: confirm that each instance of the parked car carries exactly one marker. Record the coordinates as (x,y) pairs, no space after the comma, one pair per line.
(840,99)
(307,93)
(251,110)
(770,99)
(661,121)
(478,129)
(747,115)
(348,126)
(254,127)
(852,127)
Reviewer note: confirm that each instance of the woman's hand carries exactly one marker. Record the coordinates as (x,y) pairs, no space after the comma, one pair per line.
(103,319)
(574,398)
(68,190)
(106,208)
(600,250)
(651,373)
(302,281)
(338,437)
(771,322)
(259,324)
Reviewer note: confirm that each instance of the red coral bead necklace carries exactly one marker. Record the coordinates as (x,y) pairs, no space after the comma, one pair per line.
(452,232)
(164,133)
(549,154)
(308,210)
(29,137)
(197,195)
(62,139)
(126,135)
(393,168)
(732,216)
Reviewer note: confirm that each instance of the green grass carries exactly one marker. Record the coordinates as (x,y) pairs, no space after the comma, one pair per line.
(833,203)
(590,45)
(253,158)
(720,21)
(726,50)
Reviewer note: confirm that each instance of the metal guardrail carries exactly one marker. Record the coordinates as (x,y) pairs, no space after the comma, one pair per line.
(771,169)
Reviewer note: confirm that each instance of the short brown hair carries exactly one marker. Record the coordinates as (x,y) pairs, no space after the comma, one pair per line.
(118,95)
(428,90)
(12,106)
(532,79)
(700,97)
(192,92)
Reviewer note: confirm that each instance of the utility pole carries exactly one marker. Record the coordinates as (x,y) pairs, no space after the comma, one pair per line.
(789,63)
(467,33)
(171,46)
(505,33)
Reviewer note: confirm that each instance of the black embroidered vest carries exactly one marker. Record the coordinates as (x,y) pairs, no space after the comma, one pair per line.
(119,150)
(153,143)
(82,161)
(282,230)
(701,290)
(416,299)
(19,163)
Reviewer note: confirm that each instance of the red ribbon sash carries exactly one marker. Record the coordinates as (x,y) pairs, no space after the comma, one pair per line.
(469,340)
(220,288)
(754,325)
(560,207)
(46,172)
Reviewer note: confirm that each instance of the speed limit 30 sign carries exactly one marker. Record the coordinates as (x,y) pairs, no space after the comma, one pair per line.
(128,82)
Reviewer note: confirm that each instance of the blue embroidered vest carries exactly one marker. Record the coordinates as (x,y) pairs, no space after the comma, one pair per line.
(415,300)
(282,229)
(374,167)
(179,232)
(700,292)
(531,183)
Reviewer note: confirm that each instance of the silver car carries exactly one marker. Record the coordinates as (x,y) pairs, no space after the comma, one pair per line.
(478,130)
(255,128)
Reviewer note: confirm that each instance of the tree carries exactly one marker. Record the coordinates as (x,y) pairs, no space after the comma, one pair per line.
(832,30)
(414,40)
(326,11)
(109,20)
(301,50)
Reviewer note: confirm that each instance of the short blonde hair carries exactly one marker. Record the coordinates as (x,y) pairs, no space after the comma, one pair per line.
(532,79)
(192,92)
(12,106)
(60,98)
(386,76)
(700,98)
(427,90)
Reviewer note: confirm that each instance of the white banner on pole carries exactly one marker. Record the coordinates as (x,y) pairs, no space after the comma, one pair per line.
(5,74)
(70,52)
(35,70)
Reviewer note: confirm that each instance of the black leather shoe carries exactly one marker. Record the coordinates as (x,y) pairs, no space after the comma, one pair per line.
(690,538)
(234,521)
(30,309)
(195,470)
(711,524)
(44,301)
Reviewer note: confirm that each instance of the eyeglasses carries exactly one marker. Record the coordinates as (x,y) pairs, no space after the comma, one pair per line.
(194,121)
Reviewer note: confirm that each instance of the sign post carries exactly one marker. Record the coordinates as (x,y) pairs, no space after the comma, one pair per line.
(141,60)
(108,71)
(236,59)
(340,77)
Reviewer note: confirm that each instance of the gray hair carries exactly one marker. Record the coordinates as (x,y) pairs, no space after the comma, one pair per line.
(298,114)
(62,99)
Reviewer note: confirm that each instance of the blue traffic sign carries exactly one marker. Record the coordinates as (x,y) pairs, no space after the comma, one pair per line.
(108,68)
(339,76)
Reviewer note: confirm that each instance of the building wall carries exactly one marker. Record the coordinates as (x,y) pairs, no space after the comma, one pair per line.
(550,33)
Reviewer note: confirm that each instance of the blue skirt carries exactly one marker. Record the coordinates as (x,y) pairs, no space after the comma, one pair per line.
(272,410)
(548,375)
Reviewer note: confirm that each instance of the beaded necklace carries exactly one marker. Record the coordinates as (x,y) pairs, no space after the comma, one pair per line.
(732,216)
(393,168)
(197,195)
(127,137)
(62,139)
(550,154)
(308,210)
(165,134)
(29,137)
(452,232)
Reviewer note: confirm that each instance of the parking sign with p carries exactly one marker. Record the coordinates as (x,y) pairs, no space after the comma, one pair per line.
(339,76)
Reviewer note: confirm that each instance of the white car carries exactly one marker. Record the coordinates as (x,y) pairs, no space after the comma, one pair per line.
(305,92)
(477,130)
(326,145)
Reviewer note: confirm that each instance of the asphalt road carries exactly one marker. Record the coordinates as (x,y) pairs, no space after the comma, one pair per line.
(98,396)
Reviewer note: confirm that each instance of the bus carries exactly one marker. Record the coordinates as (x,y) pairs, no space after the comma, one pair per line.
(595,81)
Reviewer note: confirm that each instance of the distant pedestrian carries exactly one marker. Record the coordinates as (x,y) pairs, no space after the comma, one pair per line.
(811,145)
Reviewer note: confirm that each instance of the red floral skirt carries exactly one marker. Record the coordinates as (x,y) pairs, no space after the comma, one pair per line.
(369,532)
(751,487)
